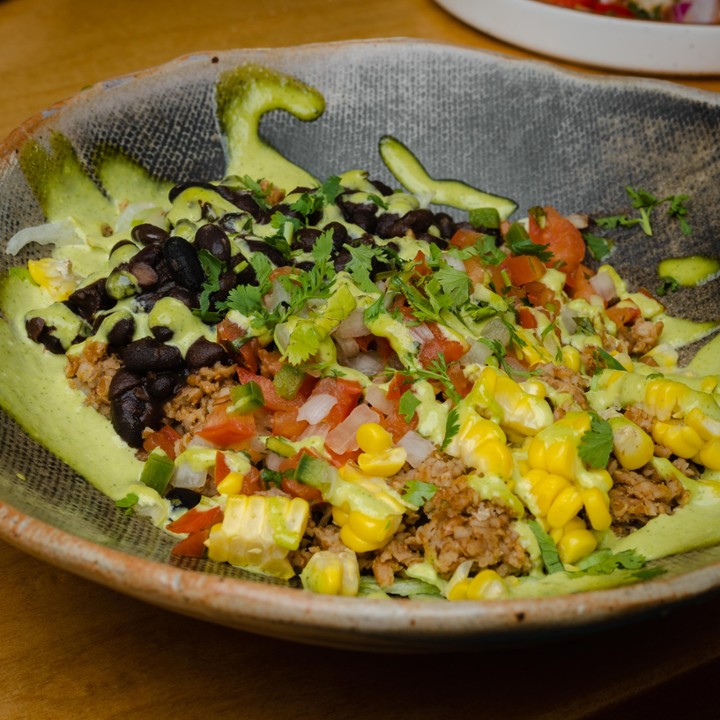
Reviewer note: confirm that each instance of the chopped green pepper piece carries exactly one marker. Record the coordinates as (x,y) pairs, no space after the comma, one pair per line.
(287,381)
(246,398)
(486,217)
(157,471)
(279,446)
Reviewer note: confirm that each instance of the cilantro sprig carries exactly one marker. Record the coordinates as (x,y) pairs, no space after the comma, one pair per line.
(596,444)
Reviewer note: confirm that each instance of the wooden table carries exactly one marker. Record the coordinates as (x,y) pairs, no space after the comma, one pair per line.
(73,649)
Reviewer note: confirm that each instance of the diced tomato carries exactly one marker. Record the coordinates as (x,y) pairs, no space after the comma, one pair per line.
(396,424)
(499,279)
(541,296)
(192,546)
(225,430)
(347,394)
(475,270)
(398,386)
(297,489)
(526,318)
(523,268)
(465,237)
(252,482)
(458,379)
(222,469)
(249,355)
(623,314)
(440,343)
(195,519)
(286,424)
(420,264)
(579,283)
(563,239)
(272,400)
(164,438)
(270,362)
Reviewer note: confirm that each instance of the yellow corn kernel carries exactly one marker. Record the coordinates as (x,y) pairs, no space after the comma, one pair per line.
(547,490)
(576,545)
(383,464)
(373,438)
(571,357)
(363,533)
(597,508)
(704,425)
(680,438)
(709,383)
(534,388)
(332,573)
(577,421)
(55,276)
(576,523)
(663,396)
(709,455)
(479,430)
(534,476)
(562,458)
(632,446)
(486,585)
(492,458)
(534,355)
(340,515)
(565,506)
(231,484)
(459,590)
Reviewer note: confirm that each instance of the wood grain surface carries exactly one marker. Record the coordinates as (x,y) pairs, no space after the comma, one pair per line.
(72,649)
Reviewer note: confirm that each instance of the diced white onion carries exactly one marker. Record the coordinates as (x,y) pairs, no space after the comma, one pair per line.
(579,220)
(418,448)
(185,476)
(478,354)
(455,262)
(316,408)
(59,233)
(375,396)
(568,320)
(273,461)
(603,285)
(131,214)
(421,333)
(368,363)
(342,438)
(348,346)
(310,431)
(277,295)
(353,325)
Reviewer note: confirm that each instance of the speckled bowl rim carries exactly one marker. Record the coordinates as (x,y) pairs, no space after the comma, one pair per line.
(349,623)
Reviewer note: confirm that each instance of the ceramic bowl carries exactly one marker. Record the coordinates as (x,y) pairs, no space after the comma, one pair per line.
(522,129)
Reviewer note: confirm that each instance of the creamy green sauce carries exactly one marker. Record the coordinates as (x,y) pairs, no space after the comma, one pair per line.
(35,391)
(689,271)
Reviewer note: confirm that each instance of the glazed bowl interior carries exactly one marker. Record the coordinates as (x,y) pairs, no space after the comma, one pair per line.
(521,129)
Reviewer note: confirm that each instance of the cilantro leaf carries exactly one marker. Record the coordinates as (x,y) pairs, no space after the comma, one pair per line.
(455,283)
(213,268)
(373,312)
(596,444)
(127,503)
(438,370)
(407,405)
(599,247)
(246,299)
(418,493)
(259,195)
(548,550)
(667,284)
(603,562)
(452,427)
(604,358)
(263,269)
(519,243)
(360,267)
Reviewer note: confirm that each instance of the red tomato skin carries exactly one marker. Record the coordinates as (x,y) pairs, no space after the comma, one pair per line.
(194,520)
(563,239)
(192,546)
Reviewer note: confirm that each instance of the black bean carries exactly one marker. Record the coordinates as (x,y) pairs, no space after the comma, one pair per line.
(148,234)
(419,220)
(226,282)
(386,224)
(40,332)
(364,216)
(122,244)
(305,239)
(145,274)
(132,412)
(339,233)
(163,385)
(181,187)
(150,354)
(184,263)
(162,333)
(275,256)
(86,301)
(382,187)
(445,224)
(122,332)
(233,223)
(123,381)
(213,239)
(342,259)
(305,265)
(185,496)
(203,353)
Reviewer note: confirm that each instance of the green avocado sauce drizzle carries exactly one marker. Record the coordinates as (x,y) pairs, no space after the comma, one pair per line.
(33,387)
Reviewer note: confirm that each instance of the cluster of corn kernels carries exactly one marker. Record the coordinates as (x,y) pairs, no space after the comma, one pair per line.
(55,276)
(680,425)
(562,487)
(361,531)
